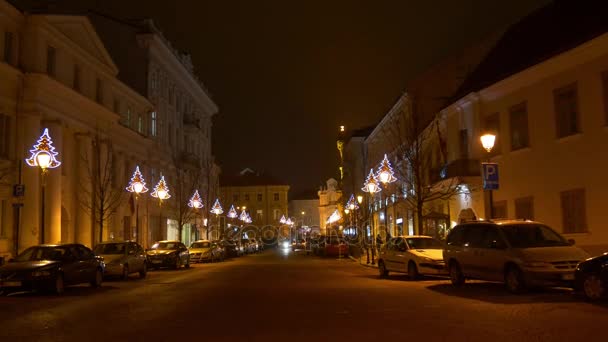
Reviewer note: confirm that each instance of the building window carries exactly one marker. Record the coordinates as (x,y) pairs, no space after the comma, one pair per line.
(8,47)
(491,124)
(566,111)
(276,214)
(276,196)
(153,123)
(259,215)
(500,210)
(464,144)
(140,124)
(128,117)
(76,78)
(98,91)
(518,117)
(50,61)
(524,208)
(246,197)
(574,217)
(259,197)
(605,93)
(5,130)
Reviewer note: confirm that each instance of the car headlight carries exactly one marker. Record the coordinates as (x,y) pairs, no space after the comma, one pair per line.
(41,273)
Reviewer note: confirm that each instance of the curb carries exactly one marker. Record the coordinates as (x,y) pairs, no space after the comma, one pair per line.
(360,263)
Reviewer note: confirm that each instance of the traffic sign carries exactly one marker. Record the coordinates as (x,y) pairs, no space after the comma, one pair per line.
(490,176)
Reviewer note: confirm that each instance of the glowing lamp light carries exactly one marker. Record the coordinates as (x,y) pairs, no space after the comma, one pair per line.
(385,171)
(43,153)
(217,207)
(371,183)
(232,212)
(346,211)
(487,141)
(161,190)
(243,216)
(137,183)
(352,204)
(360,199)
(195,201)
(283,220)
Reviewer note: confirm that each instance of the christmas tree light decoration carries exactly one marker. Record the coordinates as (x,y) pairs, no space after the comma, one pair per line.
(161,190)
(385,171)
(137,183)
(232,212)
(195,201)
(217,207)
(283,220)
(243,216)
(371,183)
(352,203)
(43,153)
(249,220)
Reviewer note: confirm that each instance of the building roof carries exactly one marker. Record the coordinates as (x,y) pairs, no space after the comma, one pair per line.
(249,177)
(558,27)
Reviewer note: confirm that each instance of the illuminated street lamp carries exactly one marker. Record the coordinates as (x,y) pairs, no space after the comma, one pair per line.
(217,210)
(371,186)
(386,176)
(487,141)
(137,185)
(283,220)
(196,203)
(161,191)
(43,156)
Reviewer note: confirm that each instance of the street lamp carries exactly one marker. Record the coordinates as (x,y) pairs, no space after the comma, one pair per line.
(137,185)
(161,191)
(43,155)
(487,141)
(196,203)
(217,210)
(386,176)
(371,186)
(351,206)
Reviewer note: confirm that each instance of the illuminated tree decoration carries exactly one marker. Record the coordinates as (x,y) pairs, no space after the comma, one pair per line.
(137,183)
(283,220)
(217,207)
(232,212)
(43,153)
(371,183)
(385,171)
(161,190)
(243,216)
(352,203)
(195,201)
(249,220)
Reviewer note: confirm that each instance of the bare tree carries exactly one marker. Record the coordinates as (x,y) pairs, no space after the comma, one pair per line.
(101,195)
(210,191)
(186,183)
(419,152)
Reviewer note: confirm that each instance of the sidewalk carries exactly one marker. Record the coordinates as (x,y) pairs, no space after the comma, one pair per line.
(361,257)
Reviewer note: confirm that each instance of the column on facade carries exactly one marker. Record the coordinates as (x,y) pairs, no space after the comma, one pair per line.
(29,234)
(84,221)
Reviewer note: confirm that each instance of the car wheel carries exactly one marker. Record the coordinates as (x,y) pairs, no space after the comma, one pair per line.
(144,271)
(125,272)
(456,276)
(412,271)
(58,284)
(514,280)
(382,269)
(96,282)
(593,289)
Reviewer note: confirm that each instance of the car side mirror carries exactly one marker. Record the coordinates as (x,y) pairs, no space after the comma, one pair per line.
(571,242)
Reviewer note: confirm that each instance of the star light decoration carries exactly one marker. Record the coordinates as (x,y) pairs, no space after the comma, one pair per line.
(137,183)
(352,203)
(385,171)
(232,213)
(195,201)
(217,207)
(43,153)
(161,190)
(371,183)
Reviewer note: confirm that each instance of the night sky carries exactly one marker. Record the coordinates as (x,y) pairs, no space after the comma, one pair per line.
(285,74)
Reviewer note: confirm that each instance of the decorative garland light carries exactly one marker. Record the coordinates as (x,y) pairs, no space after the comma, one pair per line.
(217,207)
(232,212)
(352,203)
(283,220)
(371,183)
(137,183)
(161,190)
(243,216)
(195,201)
(43,153)
(385,171)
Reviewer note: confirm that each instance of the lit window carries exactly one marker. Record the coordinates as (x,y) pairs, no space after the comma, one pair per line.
(140,124)
(153,123)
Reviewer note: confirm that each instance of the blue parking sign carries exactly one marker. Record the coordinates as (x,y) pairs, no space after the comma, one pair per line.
(490,176)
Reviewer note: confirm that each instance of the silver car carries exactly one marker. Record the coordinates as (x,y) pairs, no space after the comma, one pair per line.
(122,258)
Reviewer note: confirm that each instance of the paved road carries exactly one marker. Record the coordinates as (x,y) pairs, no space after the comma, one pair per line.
(278,296)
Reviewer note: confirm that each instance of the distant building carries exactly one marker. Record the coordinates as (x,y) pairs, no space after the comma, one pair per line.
(330,198)
(304,209)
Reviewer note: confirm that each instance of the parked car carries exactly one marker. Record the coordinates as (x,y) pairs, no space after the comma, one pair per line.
(231,248)
(518,253)
(205,250)
(122,258)
(591,277)
(52,267)
(168,253)
(298,244)
(248,247)
(256,245)
(414,255)
(335,246)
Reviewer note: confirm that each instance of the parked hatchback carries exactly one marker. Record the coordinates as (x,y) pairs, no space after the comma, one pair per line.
(168,253)
(122,258)
(414,255)
(518,253)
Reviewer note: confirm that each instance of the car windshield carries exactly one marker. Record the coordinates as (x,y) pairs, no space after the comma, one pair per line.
(424,243)
(200,245)
(532,235)
(110,248)
(42,253)
(165,245)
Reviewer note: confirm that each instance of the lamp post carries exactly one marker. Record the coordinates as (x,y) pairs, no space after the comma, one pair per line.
(487,141)
(43,156)
(232,214)
(371,186)
(386,176)
(196,203)
(137,185)
(352,206)
(217,210)
(161,191)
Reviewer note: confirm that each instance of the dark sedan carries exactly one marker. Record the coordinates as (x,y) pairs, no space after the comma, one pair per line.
(591,277)
(171,254)
(51,267)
